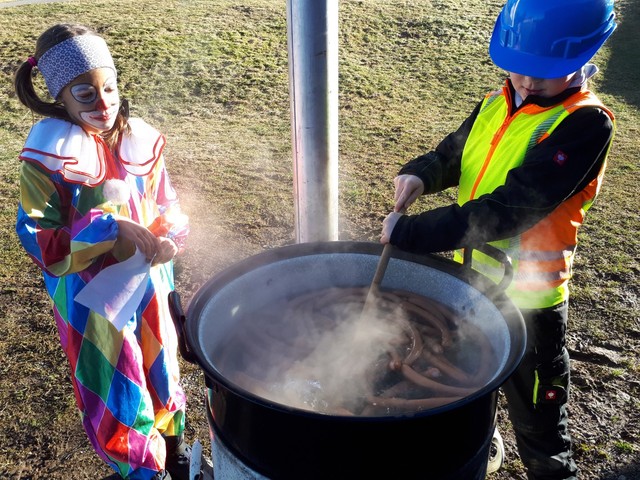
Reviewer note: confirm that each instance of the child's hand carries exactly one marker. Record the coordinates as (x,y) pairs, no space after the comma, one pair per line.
(130,231)
(408,188)
(388,224)
(167,250)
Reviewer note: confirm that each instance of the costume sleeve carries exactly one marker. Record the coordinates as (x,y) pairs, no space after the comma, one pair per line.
(56,236)
(552,171)
(171,222)
(440,168)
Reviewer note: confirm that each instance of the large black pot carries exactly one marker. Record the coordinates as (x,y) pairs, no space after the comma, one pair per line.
(279,441)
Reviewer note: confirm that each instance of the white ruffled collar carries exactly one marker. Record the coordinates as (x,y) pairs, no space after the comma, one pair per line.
(65,148)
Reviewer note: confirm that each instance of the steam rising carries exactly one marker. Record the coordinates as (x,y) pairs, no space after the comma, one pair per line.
(341,369)
(321,352)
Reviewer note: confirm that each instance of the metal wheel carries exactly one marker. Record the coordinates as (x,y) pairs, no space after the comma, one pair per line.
(496,453)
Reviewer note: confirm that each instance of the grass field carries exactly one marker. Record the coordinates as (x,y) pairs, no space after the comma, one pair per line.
(213,77)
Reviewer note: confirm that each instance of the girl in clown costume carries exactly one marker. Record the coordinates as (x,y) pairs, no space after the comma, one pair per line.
(94,191)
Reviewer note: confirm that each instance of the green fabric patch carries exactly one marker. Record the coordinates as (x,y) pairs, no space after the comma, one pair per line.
(94,370)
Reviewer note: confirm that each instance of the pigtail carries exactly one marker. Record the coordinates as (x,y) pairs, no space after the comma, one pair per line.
(26,93)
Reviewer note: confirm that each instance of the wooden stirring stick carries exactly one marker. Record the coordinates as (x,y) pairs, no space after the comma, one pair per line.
(377,278)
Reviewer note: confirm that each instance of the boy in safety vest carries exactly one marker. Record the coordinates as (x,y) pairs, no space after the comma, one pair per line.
(528,162)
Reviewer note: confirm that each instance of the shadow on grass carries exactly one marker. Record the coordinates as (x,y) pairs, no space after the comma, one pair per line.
(623,70)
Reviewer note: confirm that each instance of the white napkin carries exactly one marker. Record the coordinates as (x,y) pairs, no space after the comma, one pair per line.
(116,292)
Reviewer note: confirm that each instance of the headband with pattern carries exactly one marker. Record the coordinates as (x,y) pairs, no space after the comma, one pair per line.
(69,59)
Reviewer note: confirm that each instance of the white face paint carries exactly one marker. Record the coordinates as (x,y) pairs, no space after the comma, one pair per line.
(92,100)
(101,120)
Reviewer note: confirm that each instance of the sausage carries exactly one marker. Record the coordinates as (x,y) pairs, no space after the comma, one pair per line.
(447,368)
(422,376)
(424,316)
(416,345)
(440,388)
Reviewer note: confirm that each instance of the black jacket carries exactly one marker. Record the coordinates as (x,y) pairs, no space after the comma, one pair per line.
(531,191)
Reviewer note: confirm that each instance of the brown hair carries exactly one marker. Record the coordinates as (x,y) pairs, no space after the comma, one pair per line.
(26,93)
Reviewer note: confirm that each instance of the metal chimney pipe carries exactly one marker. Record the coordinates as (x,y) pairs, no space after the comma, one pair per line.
(312,34)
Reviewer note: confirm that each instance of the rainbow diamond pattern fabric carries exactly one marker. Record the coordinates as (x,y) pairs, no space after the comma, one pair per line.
(127,383)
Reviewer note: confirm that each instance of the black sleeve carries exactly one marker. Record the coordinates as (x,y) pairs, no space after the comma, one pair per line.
(552,171)
(440,169)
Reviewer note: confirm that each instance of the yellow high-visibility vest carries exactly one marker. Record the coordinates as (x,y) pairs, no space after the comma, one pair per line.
(542,256)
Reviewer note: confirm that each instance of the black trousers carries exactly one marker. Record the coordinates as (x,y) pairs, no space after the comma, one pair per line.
(537,394)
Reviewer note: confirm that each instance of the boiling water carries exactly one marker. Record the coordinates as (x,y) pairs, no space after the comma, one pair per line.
(318,352)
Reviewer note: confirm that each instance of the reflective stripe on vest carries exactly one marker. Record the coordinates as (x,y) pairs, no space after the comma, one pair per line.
(543,255)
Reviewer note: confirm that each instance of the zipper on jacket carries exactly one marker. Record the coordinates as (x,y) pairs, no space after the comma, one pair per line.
(494,142)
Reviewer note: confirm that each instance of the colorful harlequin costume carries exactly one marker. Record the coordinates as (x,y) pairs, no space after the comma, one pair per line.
(126,383)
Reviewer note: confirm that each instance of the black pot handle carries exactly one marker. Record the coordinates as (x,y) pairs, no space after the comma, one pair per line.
(179,320)
(497,255)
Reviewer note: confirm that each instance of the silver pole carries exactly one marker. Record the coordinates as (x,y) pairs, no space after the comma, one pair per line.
(312,30)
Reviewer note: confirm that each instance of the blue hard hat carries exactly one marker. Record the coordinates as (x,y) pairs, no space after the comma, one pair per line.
(550,38)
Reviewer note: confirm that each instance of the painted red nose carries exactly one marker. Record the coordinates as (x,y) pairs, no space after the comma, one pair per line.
(101,104)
